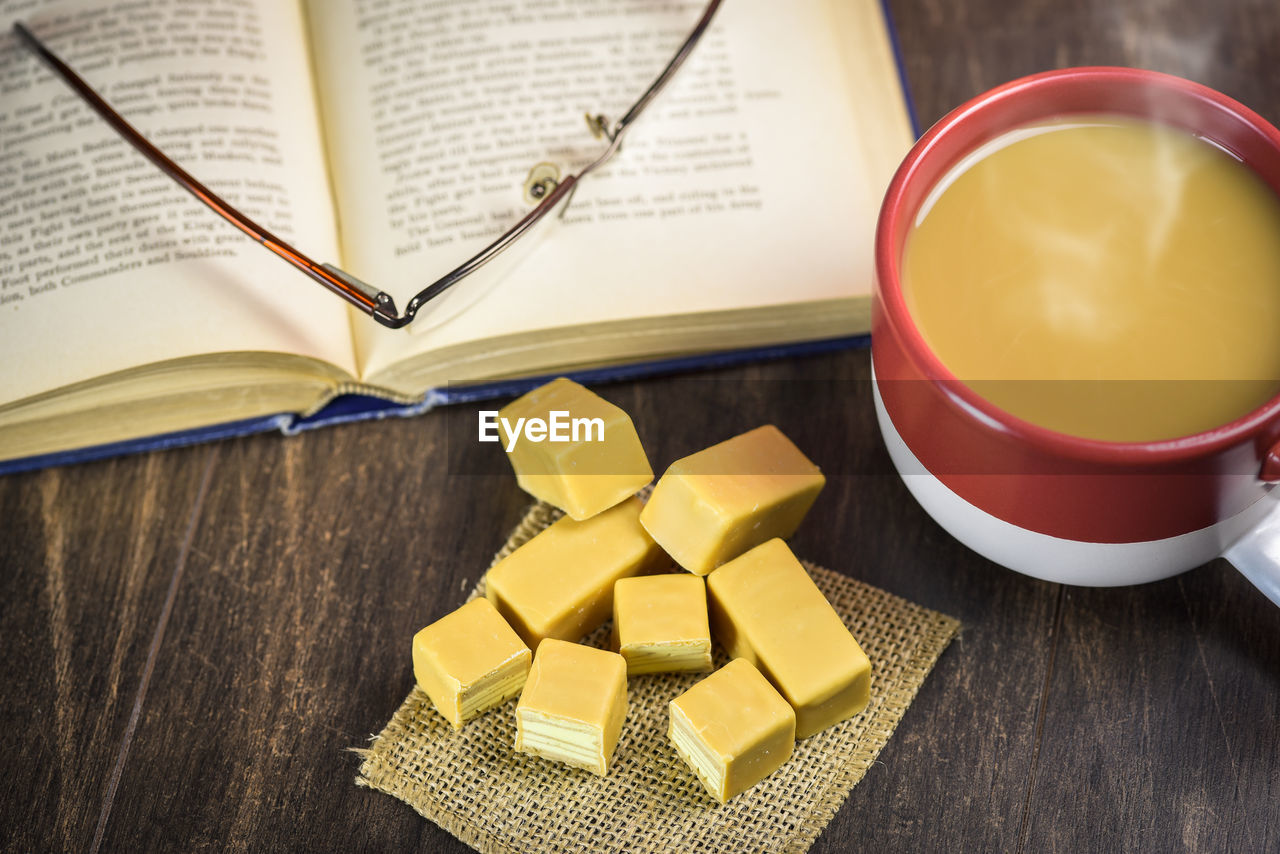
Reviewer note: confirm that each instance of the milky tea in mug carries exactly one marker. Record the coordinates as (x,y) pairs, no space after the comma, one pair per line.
(1102,276)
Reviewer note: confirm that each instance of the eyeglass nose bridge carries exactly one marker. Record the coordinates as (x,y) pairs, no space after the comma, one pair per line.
(544,177)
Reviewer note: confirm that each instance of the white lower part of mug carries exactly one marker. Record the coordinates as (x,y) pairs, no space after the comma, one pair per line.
(1250,539)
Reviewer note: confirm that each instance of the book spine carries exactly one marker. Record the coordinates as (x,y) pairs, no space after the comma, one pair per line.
(892,29)
(158,442)
(361,407)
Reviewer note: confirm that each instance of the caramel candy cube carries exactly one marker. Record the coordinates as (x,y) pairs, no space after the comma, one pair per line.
(590,458)
(660,623)
(733,729)
(573,705)
(469,661)
(716,504)
(560,583)
(765,608)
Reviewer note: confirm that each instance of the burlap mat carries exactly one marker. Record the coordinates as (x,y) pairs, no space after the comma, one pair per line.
(475,786)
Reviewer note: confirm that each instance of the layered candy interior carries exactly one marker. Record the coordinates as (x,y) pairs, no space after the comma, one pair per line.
(561,739)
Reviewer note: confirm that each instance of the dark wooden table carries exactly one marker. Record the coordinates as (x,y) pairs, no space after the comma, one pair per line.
(193,639)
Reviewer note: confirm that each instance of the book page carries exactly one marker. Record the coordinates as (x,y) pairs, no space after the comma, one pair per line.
(105,262)
(741,186)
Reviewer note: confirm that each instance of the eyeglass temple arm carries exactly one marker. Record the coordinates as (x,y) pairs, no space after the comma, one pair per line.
(364,297)
(664,78)
(565,186)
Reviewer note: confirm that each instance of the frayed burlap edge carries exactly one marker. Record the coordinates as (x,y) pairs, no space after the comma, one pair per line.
(380,771)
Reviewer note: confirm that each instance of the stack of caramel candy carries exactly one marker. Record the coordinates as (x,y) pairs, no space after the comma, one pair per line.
(721,516)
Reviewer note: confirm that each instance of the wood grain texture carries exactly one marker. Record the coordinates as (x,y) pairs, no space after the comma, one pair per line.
(1163,720)
(254,601)
(954,51)
(89,555)
(314,564)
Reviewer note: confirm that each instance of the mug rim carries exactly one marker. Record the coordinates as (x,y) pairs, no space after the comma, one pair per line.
(931,367)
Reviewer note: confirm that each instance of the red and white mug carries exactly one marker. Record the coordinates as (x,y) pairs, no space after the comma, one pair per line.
(1060,507)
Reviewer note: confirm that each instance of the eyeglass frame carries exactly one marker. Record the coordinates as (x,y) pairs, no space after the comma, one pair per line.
(543,185)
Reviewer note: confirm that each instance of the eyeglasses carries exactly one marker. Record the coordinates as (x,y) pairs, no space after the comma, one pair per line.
(543,188)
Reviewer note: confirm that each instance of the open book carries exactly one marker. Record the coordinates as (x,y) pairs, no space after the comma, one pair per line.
(392,138)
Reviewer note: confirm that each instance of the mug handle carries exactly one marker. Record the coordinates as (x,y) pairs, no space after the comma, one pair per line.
(1257,553)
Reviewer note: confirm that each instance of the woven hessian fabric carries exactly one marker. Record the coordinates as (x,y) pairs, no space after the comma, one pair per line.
(474,785)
